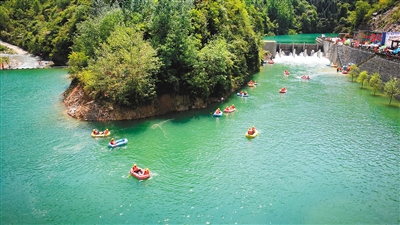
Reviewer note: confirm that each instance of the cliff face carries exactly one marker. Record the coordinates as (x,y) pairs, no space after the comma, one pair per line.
(82,107)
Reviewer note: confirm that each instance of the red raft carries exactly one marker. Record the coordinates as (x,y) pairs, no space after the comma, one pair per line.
(229,110)
(140,174)
(286,73)
(305,77)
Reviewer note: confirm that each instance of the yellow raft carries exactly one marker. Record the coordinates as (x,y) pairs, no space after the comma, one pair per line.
(251,135)
(101,134)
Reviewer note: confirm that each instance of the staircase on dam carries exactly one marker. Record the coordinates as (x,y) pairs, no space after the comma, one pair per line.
(340,56)
(365,60)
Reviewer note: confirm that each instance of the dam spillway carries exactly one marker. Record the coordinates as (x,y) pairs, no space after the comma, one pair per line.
(292,49)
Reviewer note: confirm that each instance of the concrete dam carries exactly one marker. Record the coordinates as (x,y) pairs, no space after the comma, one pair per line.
(293,49)
(340,55)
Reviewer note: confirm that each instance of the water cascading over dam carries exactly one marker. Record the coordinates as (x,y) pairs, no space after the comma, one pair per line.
(277,49)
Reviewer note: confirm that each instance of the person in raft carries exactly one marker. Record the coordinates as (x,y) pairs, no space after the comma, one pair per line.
(218,111)
(253,129)
(250,131)
(112,142)
(245,92)
(146,171)
(232,106)
(227,108)
(136,169)
(106,131)
(241,92)
(95,131)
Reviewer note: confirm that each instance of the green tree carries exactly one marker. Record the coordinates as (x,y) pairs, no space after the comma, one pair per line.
(392,88)
(361,11)
(354,71)
(77,61)
(124,69)
(96,29)
(177,48)
(362,77)
(213,69)
(375,82)
(199,25)
(281,12)
(5,18)
(342,18)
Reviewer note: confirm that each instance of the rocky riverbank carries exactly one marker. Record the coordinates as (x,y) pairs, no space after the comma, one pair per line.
(81,106)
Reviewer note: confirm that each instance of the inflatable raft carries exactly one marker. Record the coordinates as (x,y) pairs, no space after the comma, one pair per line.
(101,134)
(218,114)
(229,110)
(242,94)
(140,174)
(251,135)
(118,143)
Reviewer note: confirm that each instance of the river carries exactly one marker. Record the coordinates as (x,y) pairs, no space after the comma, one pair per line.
(327,152)
(297,38)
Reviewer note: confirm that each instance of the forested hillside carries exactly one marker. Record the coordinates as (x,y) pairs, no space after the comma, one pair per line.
(129,51)
(48,27)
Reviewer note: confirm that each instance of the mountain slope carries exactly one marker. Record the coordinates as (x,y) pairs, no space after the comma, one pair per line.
(387,21)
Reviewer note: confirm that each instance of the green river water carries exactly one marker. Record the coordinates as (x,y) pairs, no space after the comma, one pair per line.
(298,38)
(327,153)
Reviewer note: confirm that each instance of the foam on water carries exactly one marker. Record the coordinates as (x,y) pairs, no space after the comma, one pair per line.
(301,59)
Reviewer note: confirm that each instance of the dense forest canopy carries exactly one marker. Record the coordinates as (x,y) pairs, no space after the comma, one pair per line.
(133,51)
(130,51)
(48,27)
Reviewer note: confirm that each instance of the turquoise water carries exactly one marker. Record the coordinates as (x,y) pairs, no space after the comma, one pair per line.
(327,152)
(298,38)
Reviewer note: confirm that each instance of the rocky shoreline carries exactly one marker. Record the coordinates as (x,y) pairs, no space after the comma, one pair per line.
(82,107)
